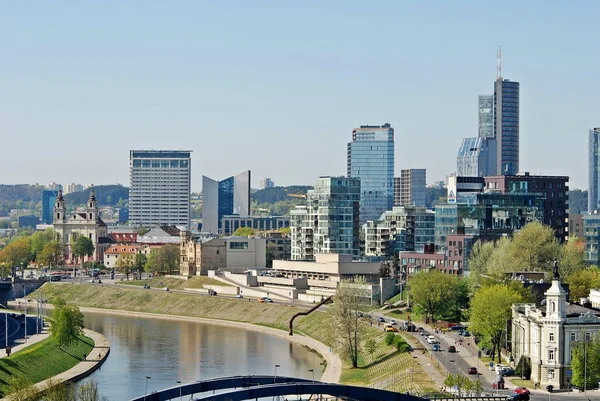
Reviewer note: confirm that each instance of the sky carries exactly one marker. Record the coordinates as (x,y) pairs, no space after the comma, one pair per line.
(277,86)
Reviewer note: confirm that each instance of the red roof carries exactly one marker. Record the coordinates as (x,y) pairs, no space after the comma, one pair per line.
(123,237)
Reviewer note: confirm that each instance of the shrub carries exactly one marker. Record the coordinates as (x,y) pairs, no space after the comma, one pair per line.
(390,338)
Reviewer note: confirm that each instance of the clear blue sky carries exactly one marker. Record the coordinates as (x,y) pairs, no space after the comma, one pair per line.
(277,86)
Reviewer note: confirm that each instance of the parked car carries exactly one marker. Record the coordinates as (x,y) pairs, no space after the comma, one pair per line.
(452,348)
(466,334)
(423,333)
(436,347)
(506,371)
(472,370)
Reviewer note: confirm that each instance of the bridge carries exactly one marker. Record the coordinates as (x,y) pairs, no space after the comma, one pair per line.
(237,388)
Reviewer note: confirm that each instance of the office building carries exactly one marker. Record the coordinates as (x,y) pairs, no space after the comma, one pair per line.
(453,258)
(48,198)
(329,222)
(410,187)
(53,186)
(506,126)
(486,116)
(159,187)
(72,187)
(591,238)
(371,159)
(553,190)
(30,221)
(593,169)
(476,157)
(258,223)
(266,183)
(224,198)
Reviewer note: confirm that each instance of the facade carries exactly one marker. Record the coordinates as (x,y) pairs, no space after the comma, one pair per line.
(476,157)
(575,225)
(506,126)
(259,223)
(554,190)
(30,221)
(591,238)
(72,187)
(159,187)
(48,200)
(486,116)
(463,189)
(593,169)
(453,259)
(371,159)
(410,188)
(69,227)
(161,235)
(266,183)
(234,254)
(404,228)
(279,246)
(547,334)
(53,186)
(329,223)
(224,198)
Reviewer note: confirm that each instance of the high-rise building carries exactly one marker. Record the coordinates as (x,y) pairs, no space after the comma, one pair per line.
(410,187)
(486,116)
(266,183)
(506,126)
(53,186)
(371,158)
(48,198)
(593,169)
(591,238)
(72,187)
(476,157)
(159,187)
(224,198)
(329,222)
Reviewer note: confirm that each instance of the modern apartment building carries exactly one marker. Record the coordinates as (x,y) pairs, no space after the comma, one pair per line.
(486,116)
(259,223)
(506,126)
(266,183)
(224,198)
(159,187)
(371,159)
(410,187)
(329,222)
(476,157)
(48,198)
(593,169)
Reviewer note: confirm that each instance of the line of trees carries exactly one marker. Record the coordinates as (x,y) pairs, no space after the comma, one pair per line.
(160,260)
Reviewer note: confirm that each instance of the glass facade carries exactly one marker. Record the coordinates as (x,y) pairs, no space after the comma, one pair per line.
(476,157)
(225,199)
(486,116)
(48,199)
(506,125)
(371,158)
(591,236)
(594,169)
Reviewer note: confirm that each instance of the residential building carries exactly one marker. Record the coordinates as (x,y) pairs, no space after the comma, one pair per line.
(159,192)
(259,223)
(224,198)
(279,246)
(266,183)
(548,333)
(72,187)
(453,258)
(30,221)
(476,157)
(69,227)
(410,187)
(233,254)
(48,200)
(329,223)
(554,190)
(575,226)
(371,159)
(53,186)
(591,238)
(486,116)
(593,169)
(118,251)
(506,126)
(404,228)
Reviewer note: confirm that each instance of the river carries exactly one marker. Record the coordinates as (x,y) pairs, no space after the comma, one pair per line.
(172,350)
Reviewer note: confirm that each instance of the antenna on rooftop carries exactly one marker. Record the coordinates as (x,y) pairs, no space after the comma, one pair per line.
(499,64)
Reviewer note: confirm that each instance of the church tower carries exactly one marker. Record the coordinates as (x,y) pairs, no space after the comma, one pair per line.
(59,208)
(556,298)
(91,209)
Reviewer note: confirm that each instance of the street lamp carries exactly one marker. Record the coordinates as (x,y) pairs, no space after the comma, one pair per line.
(5,326)
(179,382)
(313,374)
(275,378)
(146,388)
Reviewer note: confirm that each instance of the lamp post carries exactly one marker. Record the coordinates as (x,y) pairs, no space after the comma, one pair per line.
(313,374)
(275,377)
(179,382)
(146,388)
(5,326)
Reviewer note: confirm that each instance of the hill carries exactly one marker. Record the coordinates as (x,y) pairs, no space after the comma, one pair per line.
(22,192)
(278,194)
(106,195)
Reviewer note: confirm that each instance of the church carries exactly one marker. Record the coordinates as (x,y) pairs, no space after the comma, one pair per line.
(547,333)
(70,226)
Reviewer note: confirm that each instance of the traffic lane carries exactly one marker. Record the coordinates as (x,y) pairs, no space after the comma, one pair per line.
(13,328)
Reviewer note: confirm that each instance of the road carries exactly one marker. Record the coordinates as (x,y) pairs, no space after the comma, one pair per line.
(16,329)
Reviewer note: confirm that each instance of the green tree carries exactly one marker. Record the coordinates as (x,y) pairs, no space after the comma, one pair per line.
(371,346)
(139,262)
(21,388)
(58,391)
(480,257)
(501,261)
(571,258)
(244,232)
(534,248)
(125,264)
(433,291)
(16,253)
(347,328)
(582,281)
(152,262)
(169,258)
(585,362)
(83,247)
(523,367)
(66,324)
(384,270)
(88,391)
(53,254)
(39,239)
(491,308)
(142,231)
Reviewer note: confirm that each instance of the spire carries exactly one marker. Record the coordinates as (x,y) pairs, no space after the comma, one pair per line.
(92,195)
(499,64)
(60,195)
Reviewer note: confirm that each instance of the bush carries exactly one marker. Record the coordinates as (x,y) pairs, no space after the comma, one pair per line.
(402,346)
(390,338)
(525,365)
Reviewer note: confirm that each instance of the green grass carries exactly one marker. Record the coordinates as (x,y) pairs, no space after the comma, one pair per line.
(43,360)
(174,283)
(395,298)
(526,383)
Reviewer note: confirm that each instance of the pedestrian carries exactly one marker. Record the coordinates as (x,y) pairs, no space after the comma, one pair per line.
(84,356)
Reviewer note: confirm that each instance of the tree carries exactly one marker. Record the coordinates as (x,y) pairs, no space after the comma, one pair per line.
(21,388)
(169,258)
(480,257)
(534,248)
(272,254)
(58,391)
(370,346)
(53,254)
(16,253)
(244,232)
(501,261)
(347,328)
(384,270)
(152,262)
(125,263)
(433,291)
(582,281)
(585,361)
(66,324)
(83,247)
(491,308)
(139,262)
(39,239)
(88,391)
(523,367)
(571,258)
(142,231)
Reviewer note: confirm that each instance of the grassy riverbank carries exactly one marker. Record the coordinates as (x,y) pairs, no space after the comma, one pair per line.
(385,368)
(43,360)
(175,283)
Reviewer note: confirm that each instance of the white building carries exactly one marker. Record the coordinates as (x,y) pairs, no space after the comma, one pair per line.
(548,333)
(72,187)
(266,183)
(222,198)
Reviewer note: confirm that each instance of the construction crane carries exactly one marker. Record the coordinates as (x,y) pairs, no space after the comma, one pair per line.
(301,196)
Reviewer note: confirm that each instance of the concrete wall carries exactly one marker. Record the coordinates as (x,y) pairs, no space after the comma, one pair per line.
(289,292)
(223,290)
(298,283)
(388,288)
(242,279)
(258,293)
(254,256)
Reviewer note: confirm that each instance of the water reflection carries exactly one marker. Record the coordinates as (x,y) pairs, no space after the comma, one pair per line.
(171,350)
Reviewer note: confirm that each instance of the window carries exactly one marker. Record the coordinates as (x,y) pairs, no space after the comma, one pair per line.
(550,374)
(551,355)
(588,336)
(238,245)
(551,336)
(573,336)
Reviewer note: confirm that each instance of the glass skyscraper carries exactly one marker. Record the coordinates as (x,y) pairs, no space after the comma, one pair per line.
(371,158)
(506,126)
(224,198)
(594,169)
(48,199)
(476,157)
(486,116)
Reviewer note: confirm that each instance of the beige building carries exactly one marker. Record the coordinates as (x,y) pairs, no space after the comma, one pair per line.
(235,254)
(575,225)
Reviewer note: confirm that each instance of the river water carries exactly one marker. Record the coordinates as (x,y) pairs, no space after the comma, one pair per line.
(171,350)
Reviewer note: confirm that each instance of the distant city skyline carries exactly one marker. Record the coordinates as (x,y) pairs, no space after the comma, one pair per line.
(90,82)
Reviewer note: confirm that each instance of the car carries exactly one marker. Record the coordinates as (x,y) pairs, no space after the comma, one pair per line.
(466,334)
(390,329)
(393,322)
(506,371)
(472,370)
(269,300)
(380,319)
(452,348)
(239,296)
(518,397)
(431,340)
(521,390)
(436,347)
(423,333)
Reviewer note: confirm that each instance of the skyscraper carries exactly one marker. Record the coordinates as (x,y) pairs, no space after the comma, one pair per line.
(48,199)
(371,158)
(486,116)
(506,126)
(266,183)
(476,157)
(223,198)
(410,187)
(159,192)
(593,169)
